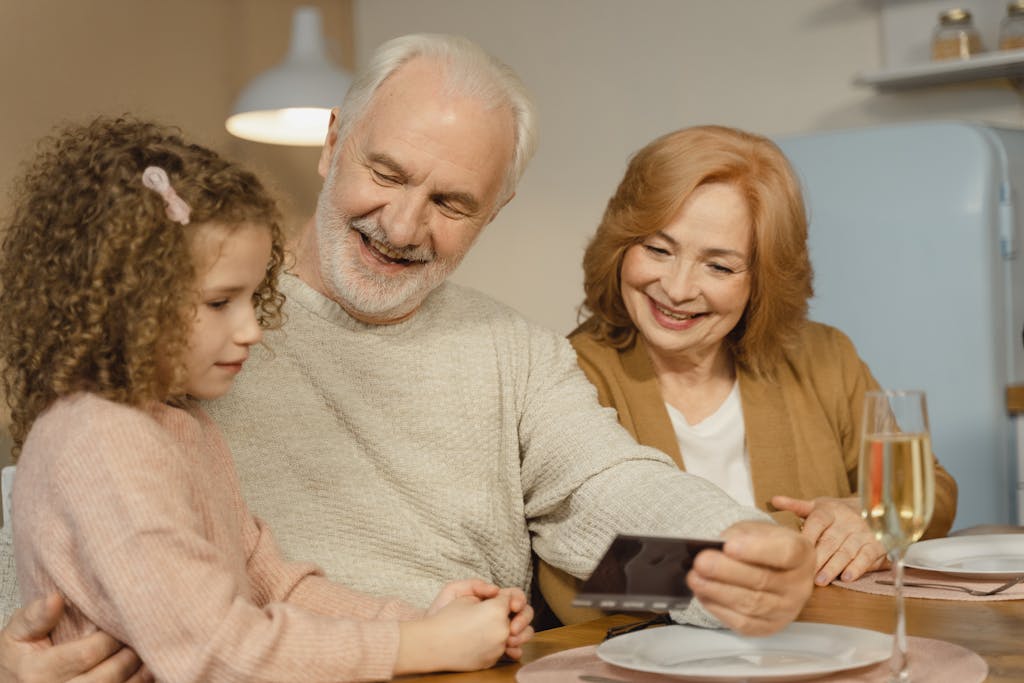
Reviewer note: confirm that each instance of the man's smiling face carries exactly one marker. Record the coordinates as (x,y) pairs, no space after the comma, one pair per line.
(407,192)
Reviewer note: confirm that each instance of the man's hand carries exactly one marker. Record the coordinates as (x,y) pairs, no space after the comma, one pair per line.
(843,544)
(759,581)
(27,655)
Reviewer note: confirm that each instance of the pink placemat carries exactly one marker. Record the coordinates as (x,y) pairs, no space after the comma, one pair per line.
(931,660)
(868,584)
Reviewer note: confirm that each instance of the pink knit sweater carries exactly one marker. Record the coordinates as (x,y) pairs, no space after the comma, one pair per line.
(136,517)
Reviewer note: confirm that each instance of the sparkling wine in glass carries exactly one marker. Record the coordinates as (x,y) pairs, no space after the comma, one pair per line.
(897,488)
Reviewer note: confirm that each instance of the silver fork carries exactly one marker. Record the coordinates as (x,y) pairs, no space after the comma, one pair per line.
(970,591)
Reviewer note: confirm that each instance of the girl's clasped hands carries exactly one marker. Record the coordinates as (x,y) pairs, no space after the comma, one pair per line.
(469,626)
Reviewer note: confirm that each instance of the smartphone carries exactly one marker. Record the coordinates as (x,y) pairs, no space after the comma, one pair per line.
(643,574)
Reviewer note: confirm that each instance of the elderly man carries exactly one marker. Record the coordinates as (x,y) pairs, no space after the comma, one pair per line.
(402,431)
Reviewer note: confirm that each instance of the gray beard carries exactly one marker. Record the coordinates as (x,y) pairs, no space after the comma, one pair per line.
(359,289)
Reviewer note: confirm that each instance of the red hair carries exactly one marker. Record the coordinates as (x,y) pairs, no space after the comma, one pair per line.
(658,181)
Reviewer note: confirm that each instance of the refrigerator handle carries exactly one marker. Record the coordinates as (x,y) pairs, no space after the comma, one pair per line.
(1007,224)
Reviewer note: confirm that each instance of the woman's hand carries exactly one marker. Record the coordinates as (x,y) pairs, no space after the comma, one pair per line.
(843,544)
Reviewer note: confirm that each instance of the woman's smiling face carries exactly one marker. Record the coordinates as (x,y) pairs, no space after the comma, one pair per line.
(687,285)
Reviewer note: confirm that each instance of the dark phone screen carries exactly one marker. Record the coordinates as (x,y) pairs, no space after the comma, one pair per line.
(643,573)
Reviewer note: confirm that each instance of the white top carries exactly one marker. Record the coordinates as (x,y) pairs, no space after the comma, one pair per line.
(716,447)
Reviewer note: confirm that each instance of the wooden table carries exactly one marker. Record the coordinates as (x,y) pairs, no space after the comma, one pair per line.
(995,630)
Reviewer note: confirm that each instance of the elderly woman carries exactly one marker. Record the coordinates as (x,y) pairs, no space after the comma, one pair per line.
(697,284)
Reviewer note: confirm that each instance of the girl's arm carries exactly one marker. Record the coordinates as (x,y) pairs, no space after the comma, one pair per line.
(303,584)
(124,536)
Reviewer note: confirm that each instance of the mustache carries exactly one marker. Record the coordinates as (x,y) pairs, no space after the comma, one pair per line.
(371,229)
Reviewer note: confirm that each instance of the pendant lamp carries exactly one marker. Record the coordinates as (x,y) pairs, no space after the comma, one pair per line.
(290,104)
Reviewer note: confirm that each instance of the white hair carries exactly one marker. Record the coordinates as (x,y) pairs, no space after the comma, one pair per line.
(469,71)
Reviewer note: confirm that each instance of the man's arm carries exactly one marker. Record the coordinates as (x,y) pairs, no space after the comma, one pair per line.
(27,656)
(586,479)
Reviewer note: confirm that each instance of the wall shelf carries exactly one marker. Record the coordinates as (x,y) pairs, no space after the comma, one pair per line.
(1003,64)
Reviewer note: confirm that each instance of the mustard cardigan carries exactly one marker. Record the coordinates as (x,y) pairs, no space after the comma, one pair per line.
(803,428)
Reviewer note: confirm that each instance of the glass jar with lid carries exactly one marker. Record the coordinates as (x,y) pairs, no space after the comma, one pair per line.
(1011,28)
(955,37)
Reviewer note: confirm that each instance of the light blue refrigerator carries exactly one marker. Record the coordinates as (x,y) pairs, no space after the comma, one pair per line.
(916,240)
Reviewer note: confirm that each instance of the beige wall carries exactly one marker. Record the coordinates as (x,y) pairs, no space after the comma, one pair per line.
(182,62)
(609,75)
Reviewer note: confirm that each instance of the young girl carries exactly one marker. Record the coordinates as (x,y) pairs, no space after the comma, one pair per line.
(136,273)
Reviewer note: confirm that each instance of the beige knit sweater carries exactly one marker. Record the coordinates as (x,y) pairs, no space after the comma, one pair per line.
(137,518)
(402,456)
(399,457)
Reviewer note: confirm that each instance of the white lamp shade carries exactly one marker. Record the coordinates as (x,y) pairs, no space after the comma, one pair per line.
(290,104)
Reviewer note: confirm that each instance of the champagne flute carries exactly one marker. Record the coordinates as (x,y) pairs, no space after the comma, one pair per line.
(896,480)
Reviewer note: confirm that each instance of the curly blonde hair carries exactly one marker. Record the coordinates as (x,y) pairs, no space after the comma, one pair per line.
(98,284)
(658,181)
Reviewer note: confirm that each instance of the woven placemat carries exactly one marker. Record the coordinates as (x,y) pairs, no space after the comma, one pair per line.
(869,584)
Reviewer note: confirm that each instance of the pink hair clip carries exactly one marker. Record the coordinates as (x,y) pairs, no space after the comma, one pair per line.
(155,178)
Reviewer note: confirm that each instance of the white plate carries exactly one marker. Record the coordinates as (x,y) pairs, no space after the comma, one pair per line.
(801,650)
(985,556)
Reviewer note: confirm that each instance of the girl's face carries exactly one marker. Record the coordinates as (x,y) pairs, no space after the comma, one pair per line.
(231,263)
(687,285)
